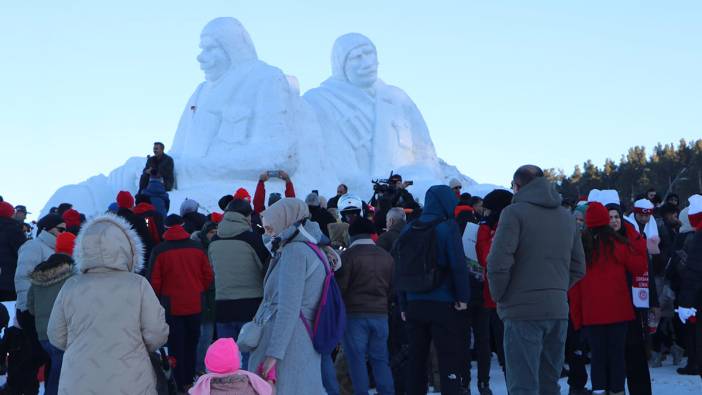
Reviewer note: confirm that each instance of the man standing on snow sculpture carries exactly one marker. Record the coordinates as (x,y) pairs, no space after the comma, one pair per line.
(376,126)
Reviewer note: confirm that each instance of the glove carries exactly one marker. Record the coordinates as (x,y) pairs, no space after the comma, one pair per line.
(685,313)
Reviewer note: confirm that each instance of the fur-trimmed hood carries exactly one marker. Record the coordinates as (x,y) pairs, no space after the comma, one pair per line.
(108,242)
(53,274)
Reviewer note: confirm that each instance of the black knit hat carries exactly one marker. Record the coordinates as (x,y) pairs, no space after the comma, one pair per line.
(239,206)
(497,200)
(361,226)
(173,220)
(50,221)
(224,201)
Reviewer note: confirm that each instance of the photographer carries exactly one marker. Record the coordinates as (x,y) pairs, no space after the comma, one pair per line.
(260,194)
(392,193)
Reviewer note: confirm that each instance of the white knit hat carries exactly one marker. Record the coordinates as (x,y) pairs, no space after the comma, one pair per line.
(609,196)
(594,195)
(454,183)
(643,206)
(695,204)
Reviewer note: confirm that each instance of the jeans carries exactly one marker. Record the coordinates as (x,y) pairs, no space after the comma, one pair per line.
(56,355)
(607,347)
(232,329)
(534,353)
(331,385)
(442,323)
(367,336)
(206,336)
(182,344)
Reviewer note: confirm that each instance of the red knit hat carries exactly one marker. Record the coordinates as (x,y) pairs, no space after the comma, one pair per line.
(6,210)
(65,243)
(242,194)
(125,199)
(71,217)
(217,217)
(596,215)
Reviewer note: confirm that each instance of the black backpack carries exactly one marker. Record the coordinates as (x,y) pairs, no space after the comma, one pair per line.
(416,258)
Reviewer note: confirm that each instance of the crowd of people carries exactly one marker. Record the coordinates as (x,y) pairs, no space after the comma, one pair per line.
(340,296)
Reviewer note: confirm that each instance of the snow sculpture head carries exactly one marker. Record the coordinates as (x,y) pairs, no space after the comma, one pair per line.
(225,44)
(355,59)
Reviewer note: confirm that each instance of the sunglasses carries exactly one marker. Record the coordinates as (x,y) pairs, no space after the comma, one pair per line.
(457,187)
(61,229)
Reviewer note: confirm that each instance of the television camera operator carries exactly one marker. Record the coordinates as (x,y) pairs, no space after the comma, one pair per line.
(389,193)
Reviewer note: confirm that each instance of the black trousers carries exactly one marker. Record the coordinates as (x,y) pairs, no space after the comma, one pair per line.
(26,356)
(479,321)
(497,336)
(607,347)
(638,378)
(576,358)
(182,344)
(442,323)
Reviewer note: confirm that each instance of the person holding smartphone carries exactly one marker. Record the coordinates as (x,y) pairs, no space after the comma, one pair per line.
(260,194)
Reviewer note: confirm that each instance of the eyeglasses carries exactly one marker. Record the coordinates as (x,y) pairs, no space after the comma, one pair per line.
(61,229)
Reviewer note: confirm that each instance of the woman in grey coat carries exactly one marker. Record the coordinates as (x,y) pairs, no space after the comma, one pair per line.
(107,318)
(293,283)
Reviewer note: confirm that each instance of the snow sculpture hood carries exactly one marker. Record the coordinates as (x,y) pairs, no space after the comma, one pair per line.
(342,46)
(232,37)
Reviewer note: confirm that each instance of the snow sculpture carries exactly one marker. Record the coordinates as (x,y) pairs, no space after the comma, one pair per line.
(375,126)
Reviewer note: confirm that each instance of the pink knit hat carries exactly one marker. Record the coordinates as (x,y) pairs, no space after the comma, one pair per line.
(223,356)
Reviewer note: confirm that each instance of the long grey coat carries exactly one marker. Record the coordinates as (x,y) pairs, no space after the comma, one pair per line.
(107,318)
(294,282)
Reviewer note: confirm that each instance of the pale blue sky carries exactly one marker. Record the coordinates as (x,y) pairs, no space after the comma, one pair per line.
(87,84)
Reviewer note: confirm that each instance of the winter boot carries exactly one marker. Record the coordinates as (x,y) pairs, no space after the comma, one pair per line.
(656,360)
(677,352)
(484,389)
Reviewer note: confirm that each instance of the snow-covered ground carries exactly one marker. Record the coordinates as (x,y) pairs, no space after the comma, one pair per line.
(666,381)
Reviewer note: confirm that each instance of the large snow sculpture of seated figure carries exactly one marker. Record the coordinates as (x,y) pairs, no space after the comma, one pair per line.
(241,118)
(373,126)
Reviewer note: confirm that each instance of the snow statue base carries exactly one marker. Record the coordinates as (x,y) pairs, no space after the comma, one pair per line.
(248,117)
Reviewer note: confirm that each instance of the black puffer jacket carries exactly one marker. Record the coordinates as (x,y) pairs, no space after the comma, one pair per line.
(11,238)
(691,287)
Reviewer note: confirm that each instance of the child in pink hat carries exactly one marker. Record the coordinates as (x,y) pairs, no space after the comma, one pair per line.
(225,377)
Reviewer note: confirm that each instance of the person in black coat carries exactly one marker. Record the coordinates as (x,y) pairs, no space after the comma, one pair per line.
(319,214)
(11,238)
(691,285)
(160,162)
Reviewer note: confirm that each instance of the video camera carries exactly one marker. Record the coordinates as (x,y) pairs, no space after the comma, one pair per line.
(385,185)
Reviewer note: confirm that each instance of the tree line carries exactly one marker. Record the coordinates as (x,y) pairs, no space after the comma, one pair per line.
(670,168)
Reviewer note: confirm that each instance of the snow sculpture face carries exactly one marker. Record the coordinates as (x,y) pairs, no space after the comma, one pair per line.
(225,44)
(213,60)
(361,68)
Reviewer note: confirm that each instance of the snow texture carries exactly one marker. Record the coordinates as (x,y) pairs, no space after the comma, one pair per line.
(248,117)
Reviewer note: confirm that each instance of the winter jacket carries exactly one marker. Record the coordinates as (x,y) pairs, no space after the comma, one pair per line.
(387,240)
(153,219)
(322,217)
(32,253)
(193,221)
(440,202)
(365,278)
(603,296)
(482,249)
(180,273)
(691,287)
(45,287)
(11,238)
(260,195)
(139,226)
(165,170)
(536,256)
(158,196)
(293,286)
(238,257)
(107,315)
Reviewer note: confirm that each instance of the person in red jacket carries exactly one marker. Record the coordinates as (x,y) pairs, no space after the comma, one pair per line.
(260,195)
(180,274)
(493,203)
(604,298)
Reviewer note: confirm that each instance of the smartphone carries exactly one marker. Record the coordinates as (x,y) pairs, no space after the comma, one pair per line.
(410,183)
(316,192)
(274,174)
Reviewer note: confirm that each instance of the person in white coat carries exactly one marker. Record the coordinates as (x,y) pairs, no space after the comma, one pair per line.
(107,318)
